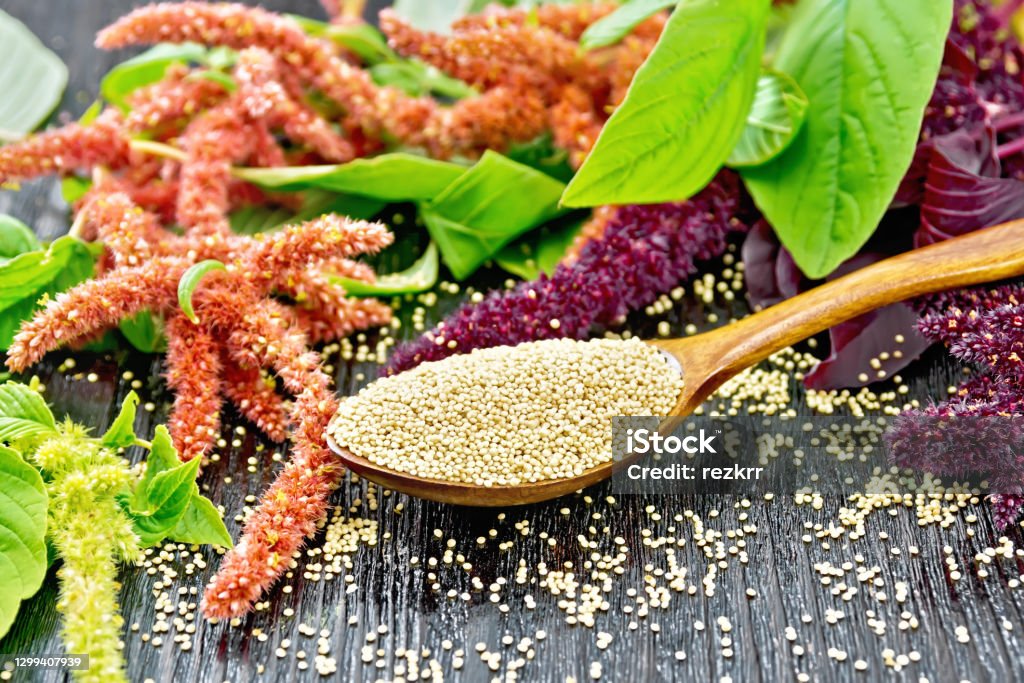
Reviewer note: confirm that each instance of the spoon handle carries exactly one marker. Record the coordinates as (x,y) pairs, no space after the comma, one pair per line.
(987,255)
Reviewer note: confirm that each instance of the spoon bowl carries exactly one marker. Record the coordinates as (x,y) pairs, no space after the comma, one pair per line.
(458,493)
(710,359)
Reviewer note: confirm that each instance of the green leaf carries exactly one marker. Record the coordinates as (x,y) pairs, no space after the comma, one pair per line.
(417,78)
(121,433)
(146,68)
(163,455)
(540,251)
(363,40)
(15,238)
(160,499)
(868,68)
(486,208)
(201,524)
(542,154)
(23,412)
(388,177)
(73,188)
(144,331)
(220,57)
(776,116)
(23,505)
(32,79)
(28,277)
(225,81)
(613,27)
(91,113)
(683,113)
(419,277)
(190,280)
(438,15)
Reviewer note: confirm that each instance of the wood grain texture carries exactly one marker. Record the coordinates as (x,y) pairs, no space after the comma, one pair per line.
(386,589)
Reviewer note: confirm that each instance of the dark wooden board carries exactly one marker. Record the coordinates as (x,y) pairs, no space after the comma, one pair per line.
(390,591)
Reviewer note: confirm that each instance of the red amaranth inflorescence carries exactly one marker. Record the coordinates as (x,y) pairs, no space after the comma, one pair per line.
(513,107)
(171,157)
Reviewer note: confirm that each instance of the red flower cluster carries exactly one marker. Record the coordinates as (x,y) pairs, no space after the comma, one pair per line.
(530,72)
(299,100)
(241,332)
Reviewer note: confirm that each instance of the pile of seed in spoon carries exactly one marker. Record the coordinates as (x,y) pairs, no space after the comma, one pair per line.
(508,415)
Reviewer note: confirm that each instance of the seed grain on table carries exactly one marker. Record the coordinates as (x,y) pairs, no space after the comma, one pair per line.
(940,614)
(510,414)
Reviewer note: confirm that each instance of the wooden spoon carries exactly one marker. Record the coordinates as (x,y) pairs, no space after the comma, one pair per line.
(710,359)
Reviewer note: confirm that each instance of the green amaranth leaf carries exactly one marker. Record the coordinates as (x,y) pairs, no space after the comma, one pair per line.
(121,433)
(162,455)
(542,154)
(486,208)
(364,40)
(193,523)
(91,113)
(419,277)
(388,177)
(146,68)
(225,80)
(417,78)
(201,523)
(164,493)
(684,111)
(15,238)
(541,250)
(190,280)
(32,79)
(613,27)
(23,503)
(73,188)
(23,412)
(28,277)
(144,331)
(776,116)
(868,68)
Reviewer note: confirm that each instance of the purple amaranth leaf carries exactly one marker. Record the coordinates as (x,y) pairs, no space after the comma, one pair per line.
(870,337)
(772,276)
(963,191)
(770,272)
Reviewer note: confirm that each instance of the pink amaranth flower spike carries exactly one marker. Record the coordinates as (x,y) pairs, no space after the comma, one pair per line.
(67,149)
(242,329)
(194,374)
(265,97)
(515,105)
